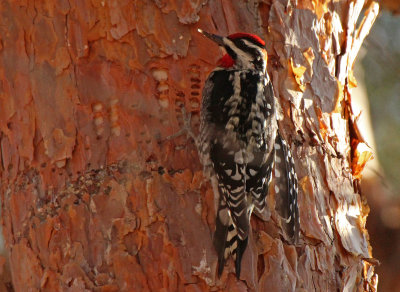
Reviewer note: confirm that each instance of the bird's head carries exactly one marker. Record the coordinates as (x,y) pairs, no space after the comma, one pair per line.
(243,50)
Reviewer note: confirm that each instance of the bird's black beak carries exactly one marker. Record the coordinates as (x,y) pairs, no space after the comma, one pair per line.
(215,38)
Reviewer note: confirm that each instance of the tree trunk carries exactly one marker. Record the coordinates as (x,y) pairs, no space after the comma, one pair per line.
(95,197)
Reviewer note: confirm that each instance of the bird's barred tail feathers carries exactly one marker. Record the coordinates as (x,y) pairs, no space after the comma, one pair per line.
(227,241)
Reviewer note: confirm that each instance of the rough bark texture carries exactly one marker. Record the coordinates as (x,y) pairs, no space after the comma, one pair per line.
(96,198)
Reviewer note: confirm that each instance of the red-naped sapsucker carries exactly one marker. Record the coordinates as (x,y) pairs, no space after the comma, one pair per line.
(240,143)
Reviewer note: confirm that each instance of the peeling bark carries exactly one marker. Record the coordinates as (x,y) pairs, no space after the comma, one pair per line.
(95,197)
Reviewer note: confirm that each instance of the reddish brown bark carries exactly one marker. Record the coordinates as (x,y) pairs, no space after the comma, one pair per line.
(391,5)
(94,195)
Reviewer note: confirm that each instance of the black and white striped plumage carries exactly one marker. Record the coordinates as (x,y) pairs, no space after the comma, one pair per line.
(237,136)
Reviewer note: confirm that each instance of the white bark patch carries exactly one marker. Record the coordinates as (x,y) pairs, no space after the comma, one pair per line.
(347,221)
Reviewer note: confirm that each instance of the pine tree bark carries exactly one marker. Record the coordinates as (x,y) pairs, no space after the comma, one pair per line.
(96,197)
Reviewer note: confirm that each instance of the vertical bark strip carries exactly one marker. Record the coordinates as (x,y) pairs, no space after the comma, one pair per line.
(94,195)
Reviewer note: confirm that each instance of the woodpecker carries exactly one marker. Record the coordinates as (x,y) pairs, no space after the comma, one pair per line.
(238,137)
